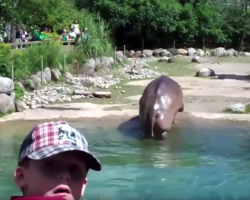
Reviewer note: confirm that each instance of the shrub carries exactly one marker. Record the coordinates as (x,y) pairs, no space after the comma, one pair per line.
(99,42)
(28,61)
(5,60)
(18,91)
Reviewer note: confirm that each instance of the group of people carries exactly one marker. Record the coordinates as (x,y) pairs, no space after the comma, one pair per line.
(53,163)
(75,33)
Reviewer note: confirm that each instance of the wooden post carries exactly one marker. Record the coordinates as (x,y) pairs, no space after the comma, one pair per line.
(41,70)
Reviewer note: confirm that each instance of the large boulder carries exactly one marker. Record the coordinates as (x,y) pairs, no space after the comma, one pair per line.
(6,85)
(107,62)
(219,52)
(191,51)
(232,52)
(205,72)
(6,103)
(89,67)
(200,53)
(147,52)
(119,56)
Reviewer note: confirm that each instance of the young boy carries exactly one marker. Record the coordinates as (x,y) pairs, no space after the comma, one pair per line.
(53,163)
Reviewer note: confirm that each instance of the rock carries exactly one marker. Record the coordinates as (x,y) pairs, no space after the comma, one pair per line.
(232,52)
(219,52)
(170,60)
(20,85)
(29,84)
(236,108)
(82,92)
(244,54)
(107,62)
(64,91)
(127,53)
(131,53)
(200,53)
(157,52)
(41,76)
(36,81)
(163,59)
(119,56)
(97,63)
(191,51)
(137,54)
(108,77)
(182,52)
(55,74)
(6,85)
(165,52)
(6,104)
(76,67)
(68,75)
(205,72)
(147,52)
(89,67)
(20,106)
(195,59)
(87,82)
(47,73)
(173,51)
(102,94)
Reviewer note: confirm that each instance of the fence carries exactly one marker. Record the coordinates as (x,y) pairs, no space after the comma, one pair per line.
(24,44)
(144,45)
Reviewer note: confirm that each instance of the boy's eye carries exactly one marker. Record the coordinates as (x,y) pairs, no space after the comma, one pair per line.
(75,172)
(50,164)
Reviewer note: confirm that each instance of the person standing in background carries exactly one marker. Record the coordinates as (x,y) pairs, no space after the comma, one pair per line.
(75,26)
(85,34)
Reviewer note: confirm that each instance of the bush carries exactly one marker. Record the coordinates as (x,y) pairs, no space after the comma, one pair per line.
(99,42)
(18,91)
(28,61)
(5,60)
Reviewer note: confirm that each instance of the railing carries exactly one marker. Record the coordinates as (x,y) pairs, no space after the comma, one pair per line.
(22,45)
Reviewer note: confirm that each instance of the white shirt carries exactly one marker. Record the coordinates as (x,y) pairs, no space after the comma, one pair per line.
(72,34)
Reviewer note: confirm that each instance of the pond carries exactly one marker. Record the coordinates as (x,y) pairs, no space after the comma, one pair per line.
(200,160)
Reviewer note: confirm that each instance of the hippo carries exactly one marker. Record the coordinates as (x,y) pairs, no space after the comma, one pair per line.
(161,100)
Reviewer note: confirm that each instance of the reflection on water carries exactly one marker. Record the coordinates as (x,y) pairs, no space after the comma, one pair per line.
(200,160)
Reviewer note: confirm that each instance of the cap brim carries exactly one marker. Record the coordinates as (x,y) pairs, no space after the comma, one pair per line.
(92,162)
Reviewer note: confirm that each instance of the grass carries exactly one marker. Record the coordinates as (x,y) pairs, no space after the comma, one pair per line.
(180,67)
(3,114)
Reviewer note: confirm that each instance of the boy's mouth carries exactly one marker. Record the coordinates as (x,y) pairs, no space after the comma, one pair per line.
(62,190)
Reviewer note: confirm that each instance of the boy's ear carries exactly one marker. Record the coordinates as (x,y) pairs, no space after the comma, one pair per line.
(84,186)
(19,177)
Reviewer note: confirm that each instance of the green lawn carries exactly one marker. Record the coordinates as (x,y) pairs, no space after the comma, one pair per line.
(180,67)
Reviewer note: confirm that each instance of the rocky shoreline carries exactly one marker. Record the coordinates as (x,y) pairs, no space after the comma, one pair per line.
(52,86)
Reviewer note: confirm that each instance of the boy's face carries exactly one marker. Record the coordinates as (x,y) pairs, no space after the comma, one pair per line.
(60,175)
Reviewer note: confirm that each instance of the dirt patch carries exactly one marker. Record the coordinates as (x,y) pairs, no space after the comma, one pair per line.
(206,95)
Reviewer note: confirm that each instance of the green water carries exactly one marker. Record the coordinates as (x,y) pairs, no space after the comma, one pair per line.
(201,160)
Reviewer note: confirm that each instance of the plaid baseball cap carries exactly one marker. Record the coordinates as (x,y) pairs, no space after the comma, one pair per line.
(51,138)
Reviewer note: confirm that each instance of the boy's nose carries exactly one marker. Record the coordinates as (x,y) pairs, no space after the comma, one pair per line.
(64,177)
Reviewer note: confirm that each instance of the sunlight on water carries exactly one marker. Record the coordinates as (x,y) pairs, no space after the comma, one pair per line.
(202,161)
